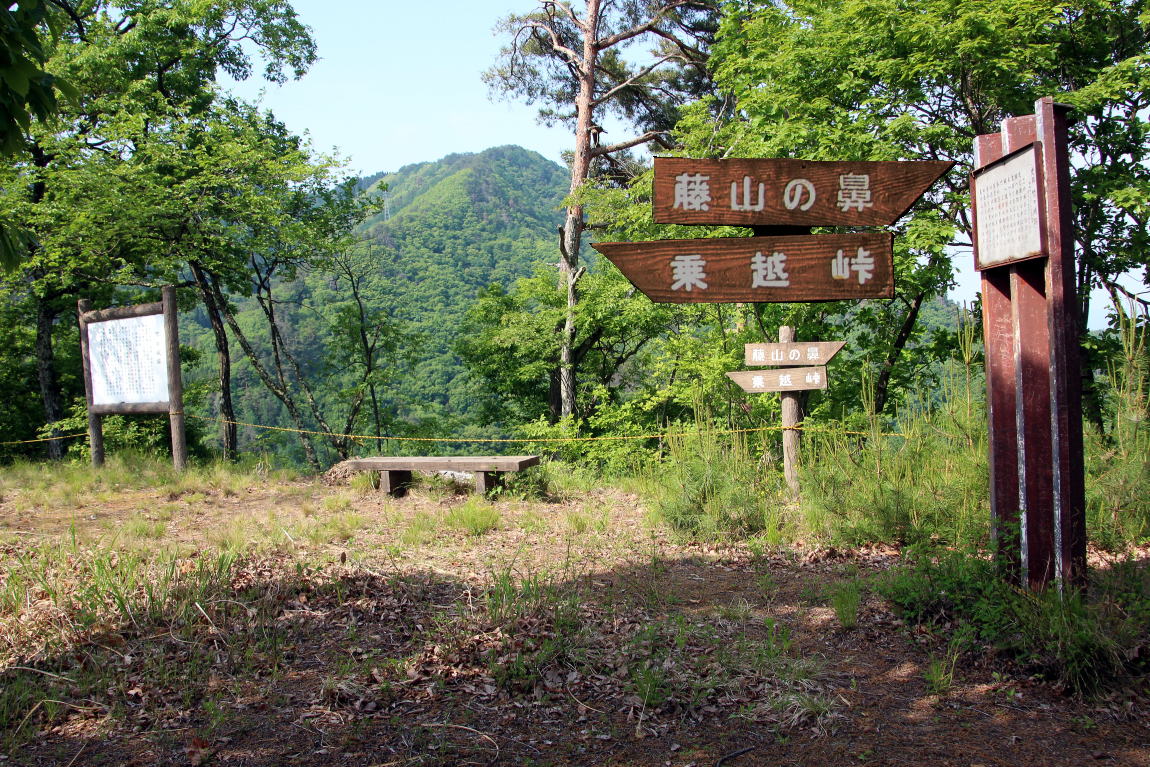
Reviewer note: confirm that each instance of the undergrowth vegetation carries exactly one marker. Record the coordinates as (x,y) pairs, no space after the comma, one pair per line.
(919,476)
(1085,641)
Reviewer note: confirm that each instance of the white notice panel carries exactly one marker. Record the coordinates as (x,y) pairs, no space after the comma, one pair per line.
(1007,210)
(129,360)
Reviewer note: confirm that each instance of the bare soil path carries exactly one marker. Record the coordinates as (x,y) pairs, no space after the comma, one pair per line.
(359,631)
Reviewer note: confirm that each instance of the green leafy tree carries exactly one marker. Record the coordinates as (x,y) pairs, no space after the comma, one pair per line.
(142,68)
(27,91)
(883,80)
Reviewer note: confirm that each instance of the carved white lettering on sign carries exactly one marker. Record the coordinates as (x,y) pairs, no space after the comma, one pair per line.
(1008,220)
(129,360)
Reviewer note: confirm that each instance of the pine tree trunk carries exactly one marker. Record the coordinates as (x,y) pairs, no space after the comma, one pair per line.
(882,385)
(575,225)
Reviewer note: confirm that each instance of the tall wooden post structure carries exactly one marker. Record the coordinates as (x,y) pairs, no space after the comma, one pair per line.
(1024,248)
(135,369)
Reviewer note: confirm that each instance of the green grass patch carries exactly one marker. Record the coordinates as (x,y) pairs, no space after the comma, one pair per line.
(475,516)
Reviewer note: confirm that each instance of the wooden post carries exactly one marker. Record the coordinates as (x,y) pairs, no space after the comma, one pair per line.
(792,417)
(1051,124)
(1030,326)
(175,380)
(95,421)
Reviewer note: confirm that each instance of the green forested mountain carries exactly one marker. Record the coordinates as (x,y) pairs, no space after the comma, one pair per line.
(444,230)
(448,229)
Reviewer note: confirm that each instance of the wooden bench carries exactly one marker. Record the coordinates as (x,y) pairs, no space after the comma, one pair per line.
(395,473)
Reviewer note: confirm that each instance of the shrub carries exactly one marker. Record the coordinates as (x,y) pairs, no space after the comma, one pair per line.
(711,486)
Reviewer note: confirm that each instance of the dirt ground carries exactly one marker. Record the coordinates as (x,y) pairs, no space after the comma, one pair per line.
(389,643)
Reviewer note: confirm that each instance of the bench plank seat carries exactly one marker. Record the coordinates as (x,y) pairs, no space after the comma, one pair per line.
(444,463)
(395,471)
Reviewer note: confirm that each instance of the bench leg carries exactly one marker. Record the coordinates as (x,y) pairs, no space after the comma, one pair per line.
(395,482)
(488,481)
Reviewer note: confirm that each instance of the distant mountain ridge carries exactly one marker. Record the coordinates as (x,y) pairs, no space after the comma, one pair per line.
(448,229)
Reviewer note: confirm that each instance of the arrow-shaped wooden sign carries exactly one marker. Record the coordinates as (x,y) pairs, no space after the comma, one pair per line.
(786,379)
(797,353)
(826,267)
(780,192)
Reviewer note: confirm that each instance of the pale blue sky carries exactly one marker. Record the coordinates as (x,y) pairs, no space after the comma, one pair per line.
(399,82)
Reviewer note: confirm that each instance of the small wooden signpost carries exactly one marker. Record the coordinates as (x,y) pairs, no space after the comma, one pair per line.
(1024,247)
(780,199)
(788,381)
(131,358)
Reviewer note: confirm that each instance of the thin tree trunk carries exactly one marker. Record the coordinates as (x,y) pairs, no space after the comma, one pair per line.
(228,433)
(280,352)
(575,224)
(278,389)
(46,374)
(882,385)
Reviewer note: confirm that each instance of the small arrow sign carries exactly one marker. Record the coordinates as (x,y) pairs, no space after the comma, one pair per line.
(783,192)
(824,267)
(787,379)
(800,353)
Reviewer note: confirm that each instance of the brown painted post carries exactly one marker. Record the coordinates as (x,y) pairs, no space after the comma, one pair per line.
(175,380)
(998,340)
(1066,365)
(792,417)
(1032,411)
(95,421)
(1032,363)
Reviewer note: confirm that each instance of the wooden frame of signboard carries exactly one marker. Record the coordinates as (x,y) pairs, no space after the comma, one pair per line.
(172,401)
(1030,327)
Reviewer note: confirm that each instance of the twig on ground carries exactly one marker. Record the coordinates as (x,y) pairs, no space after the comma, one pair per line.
(483,735)
(45,673)
(734,755)
(77,756)
(581,703)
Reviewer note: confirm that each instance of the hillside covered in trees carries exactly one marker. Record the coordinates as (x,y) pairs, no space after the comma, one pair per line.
(439,233)
(458,298)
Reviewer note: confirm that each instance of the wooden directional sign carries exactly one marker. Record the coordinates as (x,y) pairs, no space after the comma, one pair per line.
(786,379)
(827,267)
(778,192)
(792,353)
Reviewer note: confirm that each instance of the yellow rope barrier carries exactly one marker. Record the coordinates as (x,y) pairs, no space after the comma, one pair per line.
(528,440)
(43,439)
(492,440)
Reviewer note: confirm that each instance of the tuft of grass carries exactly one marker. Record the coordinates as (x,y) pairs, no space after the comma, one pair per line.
(939,671)
(475,516)
(420,530)
(339,527)
(141,526)
(532,522)
(577,521)
(1080,640)
(365,483)
(845,599)
(338,503)
(713,487)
